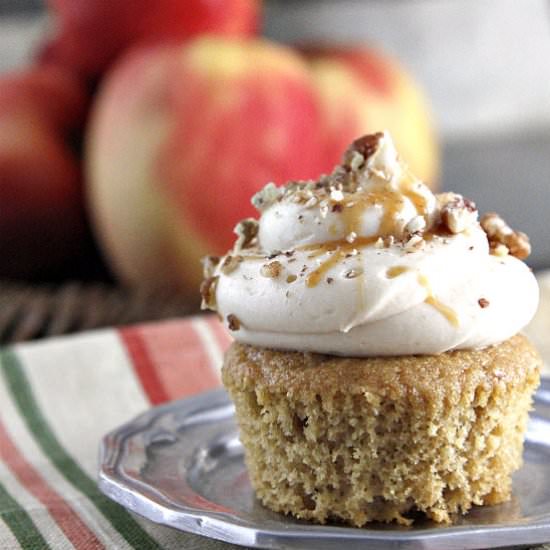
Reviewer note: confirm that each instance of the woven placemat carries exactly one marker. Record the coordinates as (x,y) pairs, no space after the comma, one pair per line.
(30,312)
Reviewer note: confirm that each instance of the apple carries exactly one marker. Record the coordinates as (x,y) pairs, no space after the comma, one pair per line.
(91,34)
(42,221)
(179,140)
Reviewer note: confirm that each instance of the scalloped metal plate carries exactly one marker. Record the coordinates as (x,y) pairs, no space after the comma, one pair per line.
(181,465)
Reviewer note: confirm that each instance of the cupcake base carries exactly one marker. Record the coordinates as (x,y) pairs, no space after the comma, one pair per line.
(380,439)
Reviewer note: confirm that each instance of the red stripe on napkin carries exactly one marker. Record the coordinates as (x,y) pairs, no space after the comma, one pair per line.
(144,366)
(66,518)
(170,359)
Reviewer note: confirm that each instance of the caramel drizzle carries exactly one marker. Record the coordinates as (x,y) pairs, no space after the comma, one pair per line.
(352,211)
(338,250)
(395,271)
(407,189)
(355,205)
(445,310)
(353,208)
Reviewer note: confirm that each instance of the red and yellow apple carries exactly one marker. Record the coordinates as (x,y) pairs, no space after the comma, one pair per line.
(181,137)
(91,34)
(179,141)
(40,181)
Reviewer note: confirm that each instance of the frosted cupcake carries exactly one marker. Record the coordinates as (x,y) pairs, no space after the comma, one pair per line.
(377,370)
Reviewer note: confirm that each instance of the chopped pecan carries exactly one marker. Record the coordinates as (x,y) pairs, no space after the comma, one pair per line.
(501,234)
(416,226)
(271,270)
(230,263)
(361,149)
(233,322)
(247,232)
(208,293)
(416,242)
(457,213)
(209,264)
(267,196)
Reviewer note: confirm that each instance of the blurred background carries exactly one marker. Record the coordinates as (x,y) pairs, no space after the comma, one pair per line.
(132,133)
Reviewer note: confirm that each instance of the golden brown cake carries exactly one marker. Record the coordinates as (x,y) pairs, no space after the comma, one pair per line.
(363,439)
(378,372)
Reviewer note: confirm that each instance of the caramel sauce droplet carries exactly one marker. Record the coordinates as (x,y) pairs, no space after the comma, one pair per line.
(396,271)
(446,311)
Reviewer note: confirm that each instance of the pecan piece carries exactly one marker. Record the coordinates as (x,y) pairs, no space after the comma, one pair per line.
(233,322)
(457,213)
(209,264)
(208,293)
(271,270)
(365,146)
(247,232)
(230,263)
(500,234)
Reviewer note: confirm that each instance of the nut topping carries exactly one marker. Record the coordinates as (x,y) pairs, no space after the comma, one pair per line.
(501,234)
(416,225)
(483,303)
(230,263)
(350,237)
(209,264)
(266,197)
(363,147)
(416,242)
(457,213)
(208,293)
(233,322)
(271,270)
(247,233)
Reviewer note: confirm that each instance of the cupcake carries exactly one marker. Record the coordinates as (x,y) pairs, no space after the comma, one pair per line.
(378,373)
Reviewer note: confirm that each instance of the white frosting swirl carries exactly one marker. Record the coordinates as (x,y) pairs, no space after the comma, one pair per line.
(336,288)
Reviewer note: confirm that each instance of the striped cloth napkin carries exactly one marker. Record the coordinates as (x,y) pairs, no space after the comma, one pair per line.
(58,397)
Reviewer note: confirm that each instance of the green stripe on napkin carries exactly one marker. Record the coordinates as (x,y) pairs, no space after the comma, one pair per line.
(28,407)
(20,523)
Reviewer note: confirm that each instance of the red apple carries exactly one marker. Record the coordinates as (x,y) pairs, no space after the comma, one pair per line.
(42,212)
(180,138)
(92,33)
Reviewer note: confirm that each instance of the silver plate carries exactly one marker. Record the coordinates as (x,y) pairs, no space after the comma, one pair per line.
(181,465)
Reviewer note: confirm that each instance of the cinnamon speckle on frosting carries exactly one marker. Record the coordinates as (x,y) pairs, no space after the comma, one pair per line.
(483,303)
(353,273)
